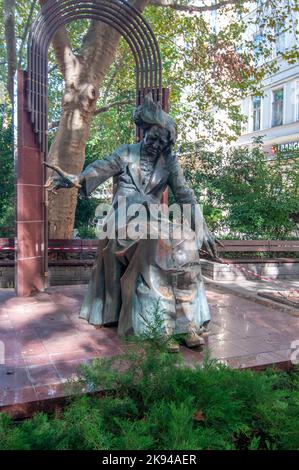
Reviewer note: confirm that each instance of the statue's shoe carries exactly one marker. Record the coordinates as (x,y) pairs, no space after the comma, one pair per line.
(193,340)
(173,346)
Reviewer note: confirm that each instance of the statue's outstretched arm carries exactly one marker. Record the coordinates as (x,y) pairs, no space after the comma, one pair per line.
(99,171)
(91,177)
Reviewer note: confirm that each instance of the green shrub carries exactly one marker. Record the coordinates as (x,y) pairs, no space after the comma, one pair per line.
(154,401)
(247,195)
(7,186)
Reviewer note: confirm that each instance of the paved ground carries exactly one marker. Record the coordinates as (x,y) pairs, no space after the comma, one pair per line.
(257,284)
(45,341)
(264,292)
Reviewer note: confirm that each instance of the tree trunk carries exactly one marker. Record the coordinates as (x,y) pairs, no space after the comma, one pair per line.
(78,108)
(83,76)
(10,38)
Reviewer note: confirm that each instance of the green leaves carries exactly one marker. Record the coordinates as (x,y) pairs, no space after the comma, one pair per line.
(7,187)
(246,193)
(208,70)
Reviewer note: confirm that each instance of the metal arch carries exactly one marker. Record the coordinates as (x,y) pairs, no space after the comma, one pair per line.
(130,34)
(121,16)
(41,92)
(130,22)
(40,65)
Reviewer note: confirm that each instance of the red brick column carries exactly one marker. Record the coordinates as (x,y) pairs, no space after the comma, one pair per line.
(31,267)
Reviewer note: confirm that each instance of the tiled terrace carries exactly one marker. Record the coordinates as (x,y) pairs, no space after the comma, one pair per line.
(45,341)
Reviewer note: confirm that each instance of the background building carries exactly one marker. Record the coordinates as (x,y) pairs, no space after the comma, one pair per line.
(274,115)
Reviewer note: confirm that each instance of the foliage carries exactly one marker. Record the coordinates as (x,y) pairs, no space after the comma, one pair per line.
(154,401)
(7,188)
(85,214)
(205,67)
(246,193)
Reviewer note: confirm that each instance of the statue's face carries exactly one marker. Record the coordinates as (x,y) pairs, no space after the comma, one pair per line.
(155,141)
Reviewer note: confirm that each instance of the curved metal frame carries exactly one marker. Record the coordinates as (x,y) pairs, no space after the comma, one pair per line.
(121,16)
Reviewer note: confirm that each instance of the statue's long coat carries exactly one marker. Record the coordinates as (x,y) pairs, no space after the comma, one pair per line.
(130,276)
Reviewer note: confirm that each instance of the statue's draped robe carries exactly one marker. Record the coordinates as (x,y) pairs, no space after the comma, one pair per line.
(130,276)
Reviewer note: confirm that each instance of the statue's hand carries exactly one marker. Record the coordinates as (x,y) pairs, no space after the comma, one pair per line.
(64,180)
(58,182)
(209,243)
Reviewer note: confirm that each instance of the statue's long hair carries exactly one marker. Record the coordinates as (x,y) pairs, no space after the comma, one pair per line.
(150,113)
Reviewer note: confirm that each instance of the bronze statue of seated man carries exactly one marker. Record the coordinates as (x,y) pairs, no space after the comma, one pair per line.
(133,272)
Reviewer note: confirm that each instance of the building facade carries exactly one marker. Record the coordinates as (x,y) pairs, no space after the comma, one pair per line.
(274,116)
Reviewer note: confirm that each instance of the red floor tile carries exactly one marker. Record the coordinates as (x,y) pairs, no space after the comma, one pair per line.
(36,360)
(70,369)
(69,343)
(44,392)
(80,355)
(42,375)
(30,343)
(20,395)
(13,377)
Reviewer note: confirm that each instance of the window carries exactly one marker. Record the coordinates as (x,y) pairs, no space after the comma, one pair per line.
(257,45)
(297,102)
(279,40)
(256,106)
(277,107)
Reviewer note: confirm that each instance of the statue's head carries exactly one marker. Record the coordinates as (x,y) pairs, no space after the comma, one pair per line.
(156,140)
(159,128)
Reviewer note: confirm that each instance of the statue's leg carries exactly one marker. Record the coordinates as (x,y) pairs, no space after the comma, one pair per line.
(102,302)
(93,303)
(113,270)
(192,310)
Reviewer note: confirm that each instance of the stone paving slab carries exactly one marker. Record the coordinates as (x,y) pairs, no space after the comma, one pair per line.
(253,289)
(45,342)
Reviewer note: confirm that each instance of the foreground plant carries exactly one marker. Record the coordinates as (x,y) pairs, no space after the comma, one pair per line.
(154,401)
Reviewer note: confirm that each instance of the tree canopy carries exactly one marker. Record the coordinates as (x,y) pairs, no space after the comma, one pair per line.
(210,63)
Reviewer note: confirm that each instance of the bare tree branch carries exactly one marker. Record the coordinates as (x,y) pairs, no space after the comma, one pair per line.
(192,8)
(140,4)
(65,57)
(10,38)
(115,104)
(101,110)
(26,29)
(56,66)
(118,66)
(99,47)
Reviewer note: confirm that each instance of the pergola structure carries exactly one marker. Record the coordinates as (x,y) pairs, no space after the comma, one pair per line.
(31,273)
